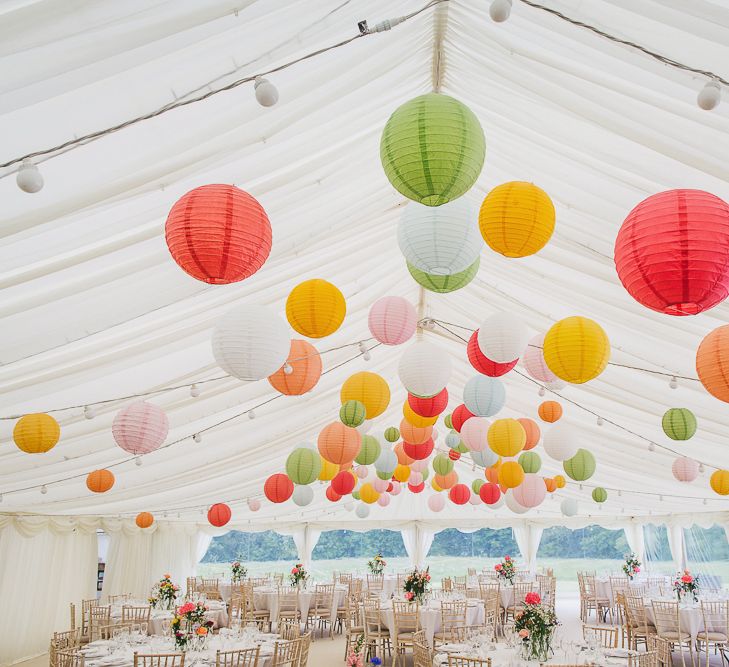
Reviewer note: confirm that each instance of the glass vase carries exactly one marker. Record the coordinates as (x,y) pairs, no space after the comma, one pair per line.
(537,647)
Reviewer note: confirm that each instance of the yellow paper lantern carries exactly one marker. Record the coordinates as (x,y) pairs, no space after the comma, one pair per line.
(720,482)
(36,433)
(369,389)
(402,473)
(559,480)
(315,308)
(328,470)
(506,437)
(576,349)
(434,485)
(367,494)
(516,219)
(415,419)
(511,474)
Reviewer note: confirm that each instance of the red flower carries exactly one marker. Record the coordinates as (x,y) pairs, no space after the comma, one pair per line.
(498,567)
(507,558)
(687,578)
(295,570)
(532,598)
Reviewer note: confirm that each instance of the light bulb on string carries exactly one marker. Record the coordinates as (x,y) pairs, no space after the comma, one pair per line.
(89,412)
(706,502)
(673,383)
(709,96)
(266,92)
(652,447)
(701,468)
(29,179)
(44,489)
(138,461)
(542,391)
(600,421)
(500,10)
(197,437)
(251,414)
(194,390)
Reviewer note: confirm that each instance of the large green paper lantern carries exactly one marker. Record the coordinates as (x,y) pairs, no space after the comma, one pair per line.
(432,149)
(599,495)
(581,466)
(442,464)
(352,413)
(369,451)
(679,423)
(303,465)
(444,284)
(392,434)
(531,462)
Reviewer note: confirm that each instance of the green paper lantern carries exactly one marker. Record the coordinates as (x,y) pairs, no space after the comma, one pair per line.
(581,466)
(392,434)
(303,465)
(384,475)
(461,448)
(355,495)
(425,474)
(352,413)
(444,284)
(442,464)
(432,149)
(448,421)
(369,451)
(679,423)
(530,461)
(599,495)
(476,485)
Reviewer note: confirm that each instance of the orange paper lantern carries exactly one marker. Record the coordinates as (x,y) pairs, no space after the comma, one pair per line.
(144,520)
(550,411)
(100,481)
(414,434)
(278,488)
(550,484)
(304,362)
(446,481)
(219,514)
(339,443)
(402,456)
(532,432)
(712,363)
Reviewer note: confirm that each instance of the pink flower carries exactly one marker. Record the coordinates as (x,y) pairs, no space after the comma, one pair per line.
(427,577)
(186,608)
(636,569)
(687,578)
(524,633)
(409,596)
(532,598)
(498,567)
(295,570)
(507,558)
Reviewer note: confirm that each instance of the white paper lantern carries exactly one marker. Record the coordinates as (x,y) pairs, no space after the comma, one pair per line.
(440,240)
(497,504)
(140,427)
(392,320)
(424,368)
(569,507)
(685,469)
(396,488)
(475,499)
(436,503)
(383,500)
(453,439)
(562,441)
(254,504)
(484,396)
(361,471)
(513,505)
(266,93)
(415,478)
(485,458)
(419,466)
(474,433)
(250,342)
(386,462)
(302,495)
(531,492)
(503,337)
(533,360)
(362,511)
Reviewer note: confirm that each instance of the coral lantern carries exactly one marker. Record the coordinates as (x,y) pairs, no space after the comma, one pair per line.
(482,363)
(304,364)
(429,406)
(344,483)
(144,520)
(672,252)
(332,495)
(516,219)
(218,234)
(532,432)
(414,434)
(712,363)
(419,451)
(550,411)
(219,514)
(315,308)
(459,494)
(36,433)
(576,349)
(339,443)
(100,481)
(490,493)
(278,488)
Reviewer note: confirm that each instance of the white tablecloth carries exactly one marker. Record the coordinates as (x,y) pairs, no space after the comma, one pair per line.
(266,599)
(389,584)
(604,590)
(503,655)
(690,614)
(216,613)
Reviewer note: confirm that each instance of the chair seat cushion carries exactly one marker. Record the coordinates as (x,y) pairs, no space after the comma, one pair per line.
(644,630)
(405,636)
(712,636)
(673,635)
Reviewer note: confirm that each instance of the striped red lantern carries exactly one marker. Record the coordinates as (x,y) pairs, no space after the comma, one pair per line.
(431,406)
(419,451)
(482,363)
(453,455)
(332,495)
(218,234)
(459,417)
(459,494)
(278,488)
(219,514)
(490,493)
(672,252)
(343,483)
(416,488)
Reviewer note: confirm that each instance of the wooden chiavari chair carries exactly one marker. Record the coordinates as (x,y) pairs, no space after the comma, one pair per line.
(69,659)
(258,581)
(492,609)
(662,647)
(377,637)
(190,586)
(136,614)
(668,626)
(99,622)
(72,609)
(519,591)
(649,659)
(121,598)
(421,652)
(590,600)
(304,650)
(86,606)
(716,627)
(352,622)
(407,622)
(159,659)
(211,589)
(639,628)
(278,579)
(604,635)
(461,661)
(247,657)
(452,615)
(471,571)
(446,585)
(321,609)
(67,641)
(288,607)
(375,583)
(286,654)
(289,629)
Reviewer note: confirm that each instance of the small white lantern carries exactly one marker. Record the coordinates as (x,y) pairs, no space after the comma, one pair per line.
(503,337)
(561,441)
(424,369)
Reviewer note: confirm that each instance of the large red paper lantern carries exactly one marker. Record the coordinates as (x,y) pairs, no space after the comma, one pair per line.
(343,483)
(219,514)
(672,252)
(416,488)
(332,495)
(218,234)
(278,488)
(431,406)
(490,493)
(419,451)
(459,416)
(482,363)
(459,494)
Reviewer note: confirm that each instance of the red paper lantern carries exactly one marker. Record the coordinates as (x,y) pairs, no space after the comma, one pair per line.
(332,495)
(431,406)
(218,234)
(482,363)
(389,487)
(459,417)
(490,493)
(278,488)
(459,494)
(672,252)
(343,483)
(416,488)
(453,455)
(219,514)
(420,451)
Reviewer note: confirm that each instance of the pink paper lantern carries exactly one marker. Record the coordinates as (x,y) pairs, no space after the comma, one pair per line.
(475,499)
(254,504)
(396,488)
(685,469)
(361,471)
(383,500)
(392,320)
(140,427)
(531,492)
(474,433)
(533,360)
(419,466)
(436,503)
(380,485)
(415,479)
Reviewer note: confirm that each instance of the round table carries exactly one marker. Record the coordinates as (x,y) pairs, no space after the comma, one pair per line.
(265,598)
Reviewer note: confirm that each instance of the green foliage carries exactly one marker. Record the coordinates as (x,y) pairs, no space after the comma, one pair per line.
(588,542)
(250,547)
(349,544)
(483,543)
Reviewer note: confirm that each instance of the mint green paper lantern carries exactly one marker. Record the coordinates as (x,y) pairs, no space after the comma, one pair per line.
(432,149)
(599,495)
(444,284)
(352,413)
(448,420)
(384,475)
(461,448)
(425,474)
(355,495)
(476,485)
(442,464)
(303,465)
(530,461)
(392,434)
(369,451)
(679,423)
(581,466)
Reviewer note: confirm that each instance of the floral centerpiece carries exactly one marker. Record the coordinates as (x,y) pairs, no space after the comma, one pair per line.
(164,593)
(190,628)
(377,564)
(631,567)
(298,576)
(506,569)
(686,584)
(416,585)
(535,626)
(355,656)
(238,572)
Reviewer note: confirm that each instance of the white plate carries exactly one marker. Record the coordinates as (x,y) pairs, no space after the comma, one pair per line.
(452,648)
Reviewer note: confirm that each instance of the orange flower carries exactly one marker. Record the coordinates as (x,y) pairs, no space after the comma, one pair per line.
(202,630)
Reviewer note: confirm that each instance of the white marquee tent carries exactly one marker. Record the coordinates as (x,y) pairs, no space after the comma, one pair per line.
(94,310)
